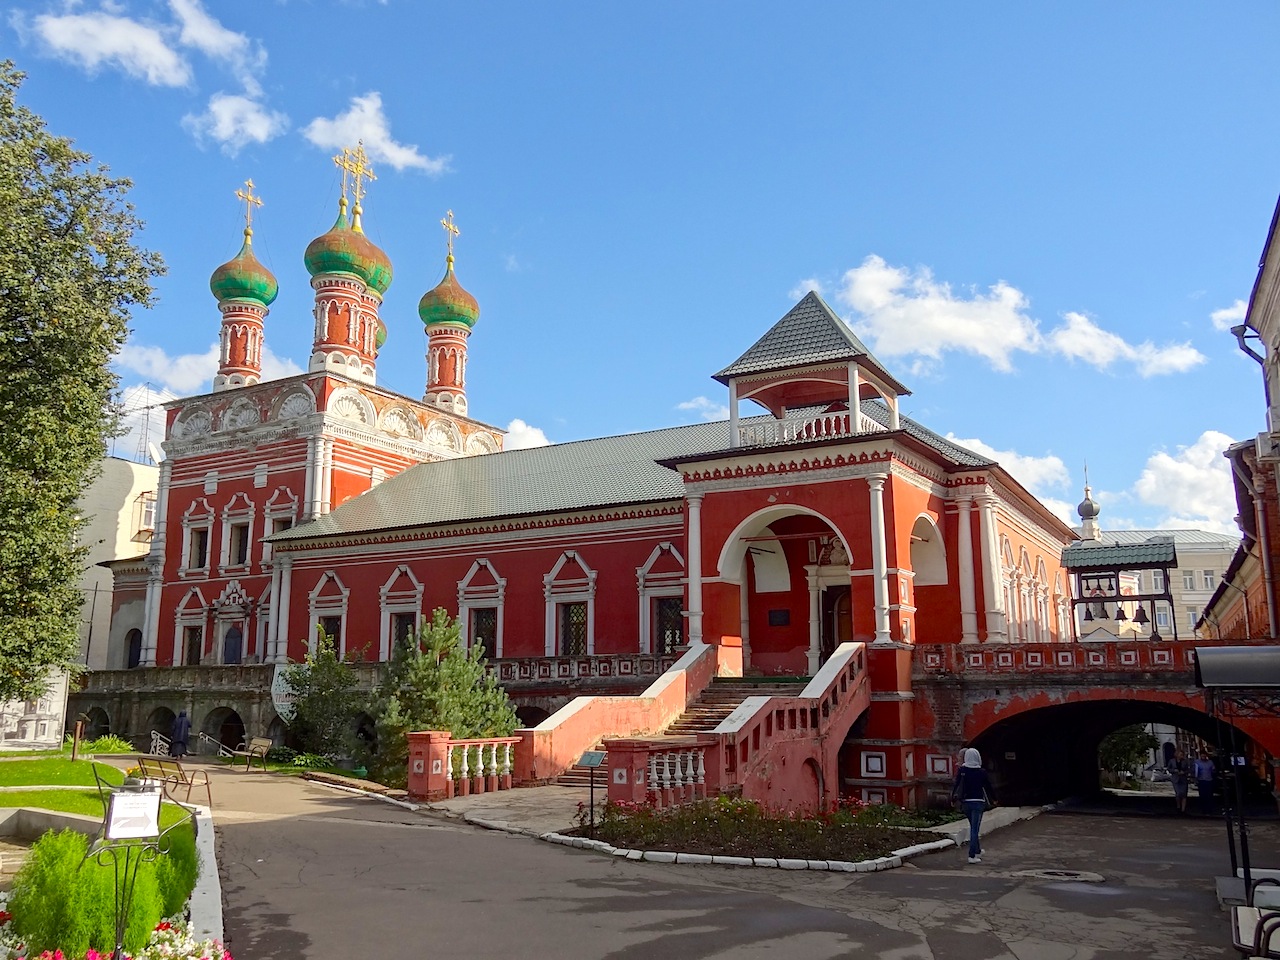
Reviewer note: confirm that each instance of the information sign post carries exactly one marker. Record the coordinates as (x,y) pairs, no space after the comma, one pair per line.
(592,759)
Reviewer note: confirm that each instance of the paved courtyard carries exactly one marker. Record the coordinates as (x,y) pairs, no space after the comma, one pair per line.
(316,873)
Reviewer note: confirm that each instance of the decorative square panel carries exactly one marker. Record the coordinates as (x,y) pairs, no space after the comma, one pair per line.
(872,796)
(1162,657)
(1095,658)
(604,668)
(1128,658)
(933,660)
(544,671)
(1035,658)
(938,764)
(1065,658)
(1004,659)
(873,764)
(564,669)
(973,659)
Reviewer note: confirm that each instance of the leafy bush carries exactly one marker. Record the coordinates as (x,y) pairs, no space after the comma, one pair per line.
(61,901)
(325,701)
(109,744)
(311,761)
(282,754)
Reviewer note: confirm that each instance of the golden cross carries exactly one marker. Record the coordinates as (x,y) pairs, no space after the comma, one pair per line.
(450,230)
(250,201)
(360,169)
(343,162)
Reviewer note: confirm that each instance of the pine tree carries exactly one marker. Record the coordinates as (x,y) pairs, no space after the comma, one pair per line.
(325,701)
(69,272)
(434,684)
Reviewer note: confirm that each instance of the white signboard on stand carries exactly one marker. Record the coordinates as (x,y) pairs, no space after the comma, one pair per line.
(133,816)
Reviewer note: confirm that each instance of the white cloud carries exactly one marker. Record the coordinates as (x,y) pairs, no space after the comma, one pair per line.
(904,312)
(366,121)
(513,264)
(1228,317)
(705,408)
(192,372)
(1037,474)
(1192,486)
(1082,339)
(235,121)
(521,435)
(912,313)
(804,286)
(103,39)
(202,32)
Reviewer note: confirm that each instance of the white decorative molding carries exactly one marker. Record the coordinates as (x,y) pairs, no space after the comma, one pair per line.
(577,590)
(473,596)
(402,593)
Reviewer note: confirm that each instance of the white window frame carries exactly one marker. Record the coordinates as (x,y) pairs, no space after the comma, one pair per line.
(392,601)
(195,519)
(1157,581)
(652,586)
(556,592)
(192,611)
(283,505)
(479,596)
(239,512)
(1210,579)
(328,606)
(1162,614)
(1188,579)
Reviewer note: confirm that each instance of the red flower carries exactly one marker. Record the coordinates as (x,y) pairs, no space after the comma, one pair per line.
(164,925)
(5,917)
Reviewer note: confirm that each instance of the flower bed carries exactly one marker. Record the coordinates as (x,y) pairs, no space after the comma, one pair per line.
(170,940)
(723,826)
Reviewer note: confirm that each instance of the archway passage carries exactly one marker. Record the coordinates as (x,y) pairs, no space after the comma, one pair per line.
(531,716)
(97,723)
(1051,753)
(160,721)
(225,726)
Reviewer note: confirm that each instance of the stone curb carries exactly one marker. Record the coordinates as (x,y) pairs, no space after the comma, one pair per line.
(206,899)
(896,859)
(402,804)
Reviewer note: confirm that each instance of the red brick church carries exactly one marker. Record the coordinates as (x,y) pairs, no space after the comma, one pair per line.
(817,522)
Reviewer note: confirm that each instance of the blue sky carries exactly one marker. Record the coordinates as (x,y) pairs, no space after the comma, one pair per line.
(1042,220)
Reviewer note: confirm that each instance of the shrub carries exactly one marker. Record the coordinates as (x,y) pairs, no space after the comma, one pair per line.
(325,700)
(282,754)
(311,761)
(62,901)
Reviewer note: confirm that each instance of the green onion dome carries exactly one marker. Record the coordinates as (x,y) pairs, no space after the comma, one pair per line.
(447,302)
(380,338)
(345,249)
(244,278)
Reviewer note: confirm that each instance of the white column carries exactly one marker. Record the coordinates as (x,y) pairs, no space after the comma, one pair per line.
(734,439)
(894,422)
(744,613)
(694,502)
(815,620)
(991,580)
(280,623)
(325,496)
(878,566)
(309,506)
(151,612)
(855,404)
(968,595)
(273,616)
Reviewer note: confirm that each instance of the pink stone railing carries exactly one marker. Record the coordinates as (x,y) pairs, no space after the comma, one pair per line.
(776,750)
(1032,659)
(441,767)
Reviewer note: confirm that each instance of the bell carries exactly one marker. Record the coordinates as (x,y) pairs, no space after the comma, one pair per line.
(1102,612)
(1140,616)
(1155,635)
(1121,616)
(1088,614)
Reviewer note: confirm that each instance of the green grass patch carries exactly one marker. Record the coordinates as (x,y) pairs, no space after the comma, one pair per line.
(55,771)
(84,802)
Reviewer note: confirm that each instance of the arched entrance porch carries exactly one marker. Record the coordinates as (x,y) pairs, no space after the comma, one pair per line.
(784,582)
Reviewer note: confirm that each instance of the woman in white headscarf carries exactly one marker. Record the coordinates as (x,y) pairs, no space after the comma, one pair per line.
(973,790)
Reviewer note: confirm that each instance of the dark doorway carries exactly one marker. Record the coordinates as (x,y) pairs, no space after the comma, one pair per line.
(225,726)
(232,645)
(837,619)
(134,641)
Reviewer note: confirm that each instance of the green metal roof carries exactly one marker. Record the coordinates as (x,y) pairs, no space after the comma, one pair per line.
(607,471)
(809,333)
(1098,555)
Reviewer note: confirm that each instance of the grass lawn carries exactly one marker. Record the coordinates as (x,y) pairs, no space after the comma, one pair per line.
(54,771)
(84,802)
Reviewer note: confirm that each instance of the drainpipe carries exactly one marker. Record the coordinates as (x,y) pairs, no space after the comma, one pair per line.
(1268,576)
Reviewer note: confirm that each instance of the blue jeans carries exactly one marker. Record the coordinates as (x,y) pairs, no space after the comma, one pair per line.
(974,809)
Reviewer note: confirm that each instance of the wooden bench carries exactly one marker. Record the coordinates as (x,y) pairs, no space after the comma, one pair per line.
(173,773)
(256,747)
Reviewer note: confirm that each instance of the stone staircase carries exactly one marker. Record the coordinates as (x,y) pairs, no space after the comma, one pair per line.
(580,776)
(724,695)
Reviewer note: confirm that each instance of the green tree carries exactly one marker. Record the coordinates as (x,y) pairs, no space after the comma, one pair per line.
(1126,749)
(69,272)
(432,683)
(325,701)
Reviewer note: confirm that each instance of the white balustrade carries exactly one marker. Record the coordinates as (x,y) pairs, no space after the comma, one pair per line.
(159,744)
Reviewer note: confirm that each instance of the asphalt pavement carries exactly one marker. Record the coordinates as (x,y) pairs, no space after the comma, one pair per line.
(311,872)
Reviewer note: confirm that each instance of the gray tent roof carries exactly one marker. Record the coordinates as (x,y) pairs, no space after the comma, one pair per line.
(1095,555)
(1226,668)
(810,332)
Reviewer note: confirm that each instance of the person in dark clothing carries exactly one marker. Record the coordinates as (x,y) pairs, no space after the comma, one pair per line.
(179,733)
(1179,773)
(1204,771)
(972,789)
